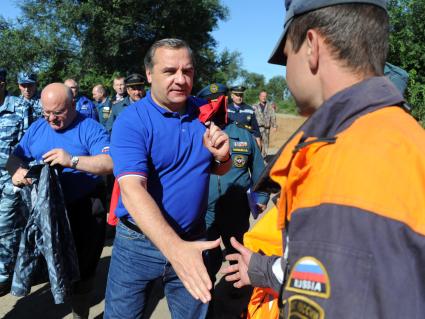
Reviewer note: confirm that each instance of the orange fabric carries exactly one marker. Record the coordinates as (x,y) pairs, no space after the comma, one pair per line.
(377,176)
(112,218)
(263,304)
(279,174)
(264,236)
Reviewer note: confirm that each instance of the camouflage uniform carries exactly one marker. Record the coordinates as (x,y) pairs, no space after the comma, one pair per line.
(33,103)
(266,118)
(16,115)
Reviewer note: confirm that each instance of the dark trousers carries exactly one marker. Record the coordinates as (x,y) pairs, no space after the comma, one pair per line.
(87,217)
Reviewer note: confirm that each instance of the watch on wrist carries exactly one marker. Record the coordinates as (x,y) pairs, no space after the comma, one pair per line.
(74,161)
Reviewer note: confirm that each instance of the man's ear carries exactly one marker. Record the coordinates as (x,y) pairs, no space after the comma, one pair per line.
(313,49)
(149,75)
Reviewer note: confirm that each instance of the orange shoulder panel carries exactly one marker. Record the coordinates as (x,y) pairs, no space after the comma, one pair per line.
(377,164)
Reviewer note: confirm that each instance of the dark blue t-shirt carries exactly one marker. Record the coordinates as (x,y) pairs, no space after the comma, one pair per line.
(84,137)
(167,148)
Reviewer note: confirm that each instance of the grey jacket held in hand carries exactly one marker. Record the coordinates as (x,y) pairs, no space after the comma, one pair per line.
(47,234)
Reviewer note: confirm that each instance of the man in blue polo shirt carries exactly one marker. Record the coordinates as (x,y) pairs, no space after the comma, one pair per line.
(163,156)
(83,104)
(80,145)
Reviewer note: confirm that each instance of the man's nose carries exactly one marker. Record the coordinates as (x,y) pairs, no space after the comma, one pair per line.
(180,78)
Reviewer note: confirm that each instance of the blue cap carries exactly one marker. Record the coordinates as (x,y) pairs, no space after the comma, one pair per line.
(27,78)
(212,91)
(397,75)
(3,74)
(298,7)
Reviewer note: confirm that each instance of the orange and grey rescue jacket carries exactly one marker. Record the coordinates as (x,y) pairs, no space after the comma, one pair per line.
(352,204)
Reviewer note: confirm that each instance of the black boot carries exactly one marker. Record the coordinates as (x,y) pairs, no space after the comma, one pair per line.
(81,298)
(5,288)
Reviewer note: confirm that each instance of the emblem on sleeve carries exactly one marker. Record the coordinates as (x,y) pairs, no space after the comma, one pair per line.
(239,161)
(213,88)
(309,277)
(303,307)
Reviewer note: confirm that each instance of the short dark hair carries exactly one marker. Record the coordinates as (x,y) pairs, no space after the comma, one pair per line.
(118,77)
(169,43)
(356,33)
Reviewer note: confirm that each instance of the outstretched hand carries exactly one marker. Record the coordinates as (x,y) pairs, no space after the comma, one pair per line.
(239,271)
(188,264)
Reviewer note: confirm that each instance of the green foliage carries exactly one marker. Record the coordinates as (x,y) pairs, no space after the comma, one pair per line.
(227,68)
(90,39)
(287,106)
(407,48)
(254,83)
(276,89)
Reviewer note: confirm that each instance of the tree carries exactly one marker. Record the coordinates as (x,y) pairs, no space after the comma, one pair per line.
(277,90)
(276,87)
(88,38)
(254,83)
(407,48)
(227,67)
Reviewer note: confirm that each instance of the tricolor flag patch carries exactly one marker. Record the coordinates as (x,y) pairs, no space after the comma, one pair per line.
(105,149)
(309,276)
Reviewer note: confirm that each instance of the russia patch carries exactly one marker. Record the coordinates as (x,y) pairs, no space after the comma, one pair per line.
(241,144)
(309,277)
(305,308)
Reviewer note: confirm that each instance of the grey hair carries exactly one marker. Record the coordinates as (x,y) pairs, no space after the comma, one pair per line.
(69,96)
(169,43)
(101,89)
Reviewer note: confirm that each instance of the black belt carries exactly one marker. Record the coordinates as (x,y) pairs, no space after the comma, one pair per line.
(130,225)
(189,236)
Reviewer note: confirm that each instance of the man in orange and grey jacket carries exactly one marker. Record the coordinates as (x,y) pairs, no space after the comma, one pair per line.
(352,178)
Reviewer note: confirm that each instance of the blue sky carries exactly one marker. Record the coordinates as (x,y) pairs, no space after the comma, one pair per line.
(252,28)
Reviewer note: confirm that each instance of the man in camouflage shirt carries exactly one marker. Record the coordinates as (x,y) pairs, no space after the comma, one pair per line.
(27,83)
(266,118)
(15,118)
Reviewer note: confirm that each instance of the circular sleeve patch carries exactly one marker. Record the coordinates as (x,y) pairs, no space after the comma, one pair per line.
(239,161)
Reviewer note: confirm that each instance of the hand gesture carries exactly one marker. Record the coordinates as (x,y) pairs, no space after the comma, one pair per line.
(238,272)
(58,156)
(189,266)
(216,141)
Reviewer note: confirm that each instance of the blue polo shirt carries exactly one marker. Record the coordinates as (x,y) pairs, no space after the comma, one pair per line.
(166,148)
(84,137)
